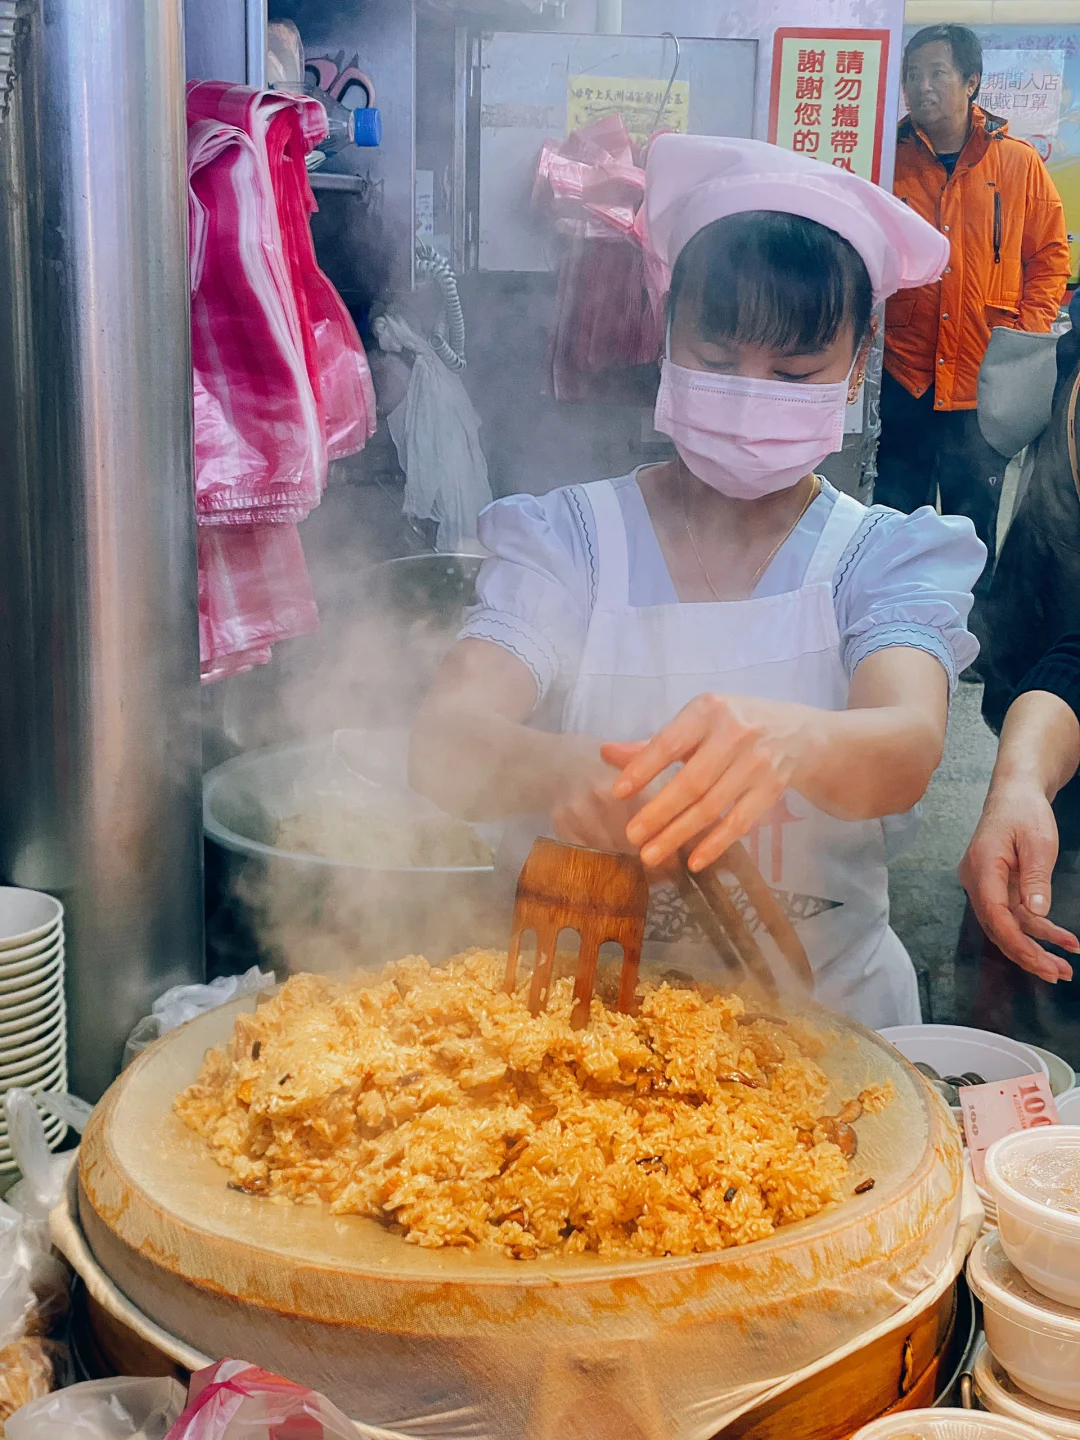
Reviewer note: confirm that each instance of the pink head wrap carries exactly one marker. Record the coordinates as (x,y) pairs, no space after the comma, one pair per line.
(692,180)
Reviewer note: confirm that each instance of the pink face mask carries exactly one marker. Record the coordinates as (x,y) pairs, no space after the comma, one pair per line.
(749,438)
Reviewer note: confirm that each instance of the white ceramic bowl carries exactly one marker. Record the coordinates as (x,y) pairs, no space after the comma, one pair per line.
(26,916)
(953,1049)
(11,1016)
(56,1080)
(10,958)
(46,1051)
(1043,1244)
(1035,1340)
(50,1077)
(35,962)
(14,1020)
(947,1425)
(30,1027)
(27,987)
(31,1047)
(1068,1107)
(997,1393)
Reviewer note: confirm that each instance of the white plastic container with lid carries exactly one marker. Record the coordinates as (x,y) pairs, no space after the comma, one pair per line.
(998,1394)
(948,1425)
(1036,1341)
(1068,1107)
(1043,1242)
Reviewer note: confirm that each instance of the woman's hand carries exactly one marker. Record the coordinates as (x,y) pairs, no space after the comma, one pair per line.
(1011,858)
(594,818)
(738,757)
(1006,873)
(587,812)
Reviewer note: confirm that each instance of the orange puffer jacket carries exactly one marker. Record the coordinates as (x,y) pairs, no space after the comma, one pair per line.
(1010,257)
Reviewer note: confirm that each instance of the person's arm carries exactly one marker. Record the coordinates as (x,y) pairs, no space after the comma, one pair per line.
(1011,858)
(739,755)
(1045,254)
(472,753)
(1008,866)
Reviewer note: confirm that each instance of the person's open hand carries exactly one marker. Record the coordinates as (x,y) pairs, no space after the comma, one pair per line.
(737,758)
(1006,873)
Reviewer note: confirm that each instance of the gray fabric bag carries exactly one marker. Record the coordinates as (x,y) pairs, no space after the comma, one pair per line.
(1016,388)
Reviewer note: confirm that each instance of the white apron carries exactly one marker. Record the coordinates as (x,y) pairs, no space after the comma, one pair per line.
(642,665)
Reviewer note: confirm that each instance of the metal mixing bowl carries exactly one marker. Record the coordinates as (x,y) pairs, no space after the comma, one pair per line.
(302,911)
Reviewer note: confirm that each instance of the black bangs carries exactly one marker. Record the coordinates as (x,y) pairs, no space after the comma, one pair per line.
(775,280)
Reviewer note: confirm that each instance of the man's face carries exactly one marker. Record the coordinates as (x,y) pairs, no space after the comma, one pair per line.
(933,86)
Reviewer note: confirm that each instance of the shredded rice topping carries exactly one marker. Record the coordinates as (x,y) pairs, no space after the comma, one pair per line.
(431,1100)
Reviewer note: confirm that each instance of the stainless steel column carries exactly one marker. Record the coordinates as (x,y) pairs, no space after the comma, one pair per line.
(99,664)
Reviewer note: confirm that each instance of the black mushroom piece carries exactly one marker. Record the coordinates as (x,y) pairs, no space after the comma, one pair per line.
(842,1135)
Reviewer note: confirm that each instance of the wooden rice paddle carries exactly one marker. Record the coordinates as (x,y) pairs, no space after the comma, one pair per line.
(718,915)
(605,898)
(602,897)
(769,912)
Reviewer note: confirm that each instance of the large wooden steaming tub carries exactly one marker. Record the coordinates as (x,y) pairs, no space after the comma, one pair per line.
(640,1350)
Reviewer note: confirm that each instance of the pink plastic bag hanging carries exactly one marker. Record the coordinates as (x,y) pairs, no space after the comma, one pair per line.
(258,438)
(254,590)
(344,387)
(609,308)
(236,1401)
(285,128)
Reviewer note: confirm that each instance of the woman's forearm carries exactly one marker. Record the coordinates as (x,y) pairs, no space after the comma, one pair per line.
(1040,744)
(863,764)
(482,766)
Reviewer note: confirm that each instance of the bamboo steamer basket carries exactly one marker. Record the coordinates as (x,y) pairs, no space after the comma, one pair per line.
(909,1367)
(387,1329)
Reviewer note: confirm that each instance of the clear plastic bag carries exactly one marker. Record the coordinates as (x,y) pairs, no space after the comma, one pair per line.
(114,1409)
(437,435)
(183,1002)
(30,1369)
(237,1401)
(43,1173)
(33,1282)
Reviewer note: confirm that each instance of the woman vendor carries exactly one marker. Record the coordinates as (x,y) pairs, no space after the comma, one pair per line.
(729,613)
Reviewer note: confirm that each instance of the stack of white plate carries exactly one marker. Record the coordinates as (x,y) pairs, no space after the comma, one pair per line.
(33,1018)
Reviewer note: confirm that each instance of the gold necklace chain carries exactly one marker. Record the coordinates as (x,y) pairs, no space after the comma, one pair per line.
(815,491)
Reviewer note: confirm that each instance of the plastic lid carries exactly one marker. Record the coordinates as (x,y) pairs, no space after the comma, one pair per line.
(948,1425)
(367,127)
(1026,1144)
(998,1393)
(1000,1285)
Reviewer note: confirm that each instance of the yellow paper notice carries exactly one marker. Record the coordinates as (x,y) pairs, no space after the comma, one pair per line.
(637,100)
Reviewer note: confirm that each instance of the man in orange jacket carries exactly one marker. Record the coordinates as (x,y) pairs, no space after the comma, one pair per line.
(991,194)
